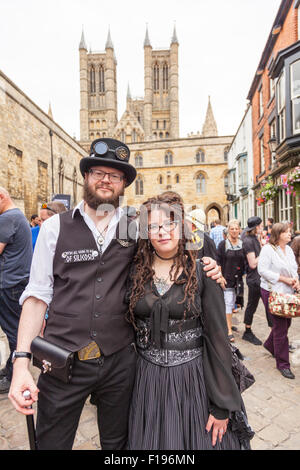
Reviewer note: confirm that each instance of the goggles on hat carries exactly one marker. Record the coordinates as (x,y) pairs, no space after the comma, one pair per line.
(44,206)
(101,148)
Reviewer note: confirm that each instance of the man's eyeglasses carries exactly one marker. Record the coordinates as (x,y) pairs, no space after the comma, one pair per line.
(44,206)
(99,175)
(168,226)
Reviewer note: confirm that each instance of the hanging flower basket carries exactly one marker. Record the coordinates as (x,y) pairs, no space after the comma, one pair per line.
(291,182)
(268,191)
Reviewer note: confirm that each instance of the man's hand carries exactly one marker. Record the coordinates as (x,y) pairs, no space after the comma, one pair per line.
(218,426)
(212,269)
(22,380)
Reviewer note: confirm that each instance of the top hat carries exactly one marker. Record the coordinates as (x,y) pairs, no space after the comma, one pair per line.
(252,223)
(111,153)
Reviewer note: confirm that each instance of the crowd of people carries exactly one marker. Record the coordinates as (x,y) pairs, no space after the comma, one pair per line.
(140,303)
(269,258)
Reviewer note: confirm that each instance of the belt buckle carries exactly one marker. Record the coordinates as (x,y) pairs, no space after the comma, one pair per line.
(91,351)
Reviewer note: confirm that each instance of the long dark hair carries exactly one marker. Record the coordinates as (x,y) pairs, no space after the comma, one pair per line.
(143,261)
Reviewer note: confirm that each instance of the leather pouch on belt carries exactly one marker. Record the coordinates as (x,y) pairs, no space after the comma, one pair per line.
(91,351)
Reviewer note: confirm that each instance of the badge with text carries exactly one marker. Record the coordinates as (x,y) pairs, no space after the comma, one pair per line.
(79,256)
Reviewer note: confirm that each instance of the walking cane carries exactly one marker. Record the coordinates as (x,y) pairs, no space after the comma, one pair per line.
(30,425)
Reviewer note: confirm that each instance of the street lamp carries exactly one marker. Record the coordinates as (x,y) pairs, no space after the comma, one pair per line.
(272,146)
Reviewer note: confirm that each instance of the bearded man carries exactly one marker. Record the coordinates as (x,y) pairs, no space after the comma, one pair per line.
(80,267)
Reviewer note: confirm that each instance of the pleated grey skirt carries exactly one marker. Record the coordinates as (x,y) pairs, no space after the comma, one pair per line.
(169,409)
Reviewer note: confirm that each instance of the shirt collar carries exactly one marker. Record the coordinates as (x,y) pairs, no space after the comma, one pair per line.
(80,207)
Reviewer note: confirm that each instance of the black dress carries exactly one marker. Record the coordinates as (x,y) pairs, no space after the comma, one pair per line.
(172,396)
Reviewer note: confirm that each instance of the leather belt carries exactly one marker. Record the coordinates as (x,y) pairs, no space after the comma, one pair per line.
(91,351)
(183,346)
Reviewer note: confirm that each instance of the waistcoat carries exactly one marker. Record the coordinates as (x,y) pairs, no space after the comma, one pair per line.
(89,288)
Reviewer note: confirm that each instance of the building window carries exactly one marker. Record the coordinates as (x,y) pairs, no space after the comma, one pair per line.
(165,124)
(272,87)
(133,135)
(226,154)
(285,206)
(226,183)
(243,172)
(262,154)
(92,80)
(201,184)
(138,160)
(101,79)
(281,106)
(165,77)
(232,181)
(157,124)
(261,105)
(200,156)
(177,179)
(139,186)
(156,77)
(295,95)
(168,158)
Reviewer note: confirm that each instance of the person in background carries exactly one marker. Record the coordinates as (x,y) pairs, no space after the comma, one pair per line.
(277,267)
(252,247)
(231,259)
(295,245)
(47,210)
(34,220)
(15,261)
(196,223)
(216,233)
(269,226)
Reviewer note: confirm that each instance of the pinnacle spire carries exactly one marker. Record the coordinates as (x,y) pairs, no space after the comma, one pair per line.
(147,40)
(109,43)
(174,37)
(128,92)
(209,128)
(82,44)
(50,111)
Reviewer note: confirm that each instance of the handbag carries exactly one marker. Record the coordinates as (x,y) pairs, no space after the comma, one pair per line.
(284,305)
(52,359)
(242,376)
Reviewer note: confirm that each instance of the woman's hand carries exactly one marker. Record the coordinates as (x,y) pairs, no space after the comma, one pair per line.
(287,280)
(296,284)
(218,426)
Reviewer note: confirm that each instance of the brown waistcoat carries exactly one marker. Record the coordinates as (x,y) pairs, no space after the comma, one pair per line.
(88,293)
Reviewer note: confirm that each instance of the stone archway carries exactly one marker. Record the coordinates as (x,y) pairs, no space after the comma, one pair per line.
(213,212)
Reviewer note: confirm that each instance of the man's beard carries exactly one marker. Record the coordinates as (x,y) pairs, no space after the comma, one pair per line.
(97,203)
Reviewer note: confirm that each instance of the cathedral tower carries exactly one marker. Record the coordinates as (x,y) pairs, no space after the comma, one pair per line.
(98,92)
(161,104)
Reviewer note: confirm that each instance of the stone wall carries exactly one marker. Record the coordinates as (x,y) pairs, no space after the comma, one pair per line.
(28,152)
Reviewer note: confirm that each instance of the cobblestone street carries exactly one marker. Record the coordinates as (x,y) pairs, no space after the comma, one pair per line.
(272,403)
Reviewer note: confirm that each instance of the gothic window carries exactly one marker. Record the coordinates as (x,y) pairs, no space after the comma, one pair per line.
(160,179)
(200,156)
(226,150)
(15,172)
(165,77)
(138,160)
(133,135)
(177,179)
(101,79)
(200,184)
(165,124)
(155,134)
(92,80)
(161,135)
(157,124)
(156,77)
(139,186)
(168,158)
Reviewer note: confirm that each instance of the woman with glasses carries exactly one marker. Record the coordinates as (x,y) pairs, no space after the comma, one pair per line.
(185,396)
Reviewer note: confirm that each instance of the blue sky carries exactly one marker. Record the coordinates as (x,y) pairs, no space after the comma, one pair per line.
(220,44)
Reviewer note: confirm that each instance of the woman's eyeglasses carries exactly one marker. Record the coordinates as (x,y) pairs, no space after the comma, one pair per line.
(168,226)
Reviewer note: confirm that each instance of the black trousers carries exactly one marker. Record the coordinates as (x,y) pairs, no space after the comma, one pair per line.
(10,312)
(108,380)
(252,304)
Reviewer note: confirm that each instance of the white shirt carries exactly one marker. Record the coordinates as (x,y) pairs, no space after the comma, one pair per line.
(273,263)
(40,283)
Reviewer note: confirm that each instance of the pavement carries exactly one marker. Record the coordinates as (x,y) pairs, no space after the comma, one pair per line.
(272,403)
